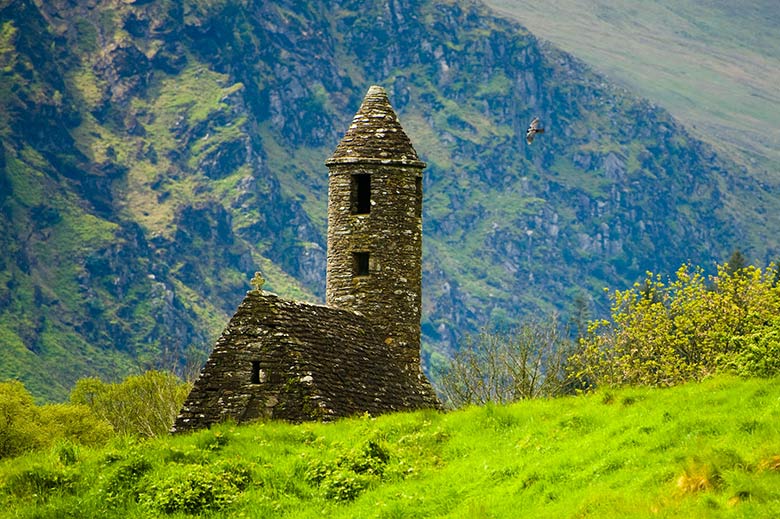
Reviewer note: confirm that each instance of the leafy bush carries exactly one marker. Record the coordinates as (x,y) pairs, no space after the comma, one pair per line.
(237,472)
(38,482)
(756,354)
(121,484)
(346,477)
(19,426)
(663,333)
(194,489)
(25,426)
(142,405)
(74,422)
(344,485)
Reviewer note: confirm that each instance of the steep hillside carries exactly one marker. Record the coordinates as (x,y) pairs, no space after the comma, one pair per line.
(705,450)
(714,64)
(156,154)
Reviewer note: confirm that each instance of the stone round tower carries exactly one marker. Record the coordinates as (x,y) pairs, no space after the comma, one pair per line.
(375,226)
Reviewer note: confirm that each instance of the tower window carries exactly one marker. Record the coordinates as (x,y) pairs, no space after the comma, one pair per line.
(418,197)
(360,263)
(361,194)
(255,372)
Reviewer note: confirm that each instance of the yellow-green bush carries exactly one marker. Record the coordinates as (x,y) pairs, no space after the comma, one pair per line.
(25,426)
(142,405)
(74,422)
(663,333)
(19,429)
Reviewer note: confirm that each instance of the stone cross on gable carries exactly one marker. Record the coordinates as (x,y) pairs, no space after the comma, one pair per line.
(257,282)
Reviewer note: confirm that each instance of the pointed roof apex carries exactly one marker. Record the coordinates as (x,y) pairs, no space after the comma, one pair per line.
(375,135)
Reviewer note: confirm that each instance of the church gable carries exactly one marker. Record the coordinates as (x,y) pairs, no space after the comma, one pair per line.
(280,359)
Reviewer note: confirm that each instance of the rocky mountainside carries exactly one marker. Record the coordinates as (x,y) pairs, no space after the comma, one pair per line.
(714,64)
(156,154)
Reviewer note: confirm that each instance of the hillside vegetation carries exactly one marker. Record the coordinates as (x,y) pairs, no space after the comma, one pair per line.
(156,154)
(705,449)
(714,64)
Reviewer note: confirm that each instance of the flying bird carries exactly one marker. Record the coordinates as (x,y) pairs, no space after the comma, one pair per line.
(533,129)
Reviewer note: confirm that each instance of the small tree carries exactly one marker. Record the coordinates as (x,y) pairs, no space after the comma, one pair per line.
(142,405)
(25,427)
(737,261)
(19,430)
(503,367)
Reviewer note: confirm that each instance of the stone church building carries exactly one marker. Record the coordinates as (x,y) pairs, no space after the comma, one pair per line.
(360,352)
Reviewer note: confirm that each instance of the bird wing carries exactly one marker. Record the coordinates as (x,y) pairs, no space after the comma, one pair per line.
(534,124)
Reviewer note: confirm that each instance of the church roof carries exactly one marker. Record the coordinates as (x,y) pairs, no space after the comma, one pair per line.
(313,362)
(375,135)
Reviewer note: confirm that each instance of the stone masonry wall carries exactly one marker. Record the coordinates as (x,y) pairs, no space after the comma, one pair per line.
(390,295)
(314,362)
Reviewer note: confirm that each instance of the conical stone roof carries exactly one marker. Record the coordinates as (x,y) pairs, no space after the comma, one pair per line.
(375,135)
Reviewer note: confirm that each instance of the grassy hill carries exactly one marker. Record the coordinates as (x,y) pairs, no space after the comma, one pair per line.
(714,64)
(701,450)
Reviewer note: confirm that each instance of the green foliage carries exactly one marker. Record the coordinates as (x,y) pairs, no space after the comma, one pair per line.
(39,482)
(25,426)
(664,333)
(755,354)
(123,473)
(706,449)
(142,405)
(346,477)
(66,452)
(19,430)
(74,422)
(506,366)
(194,489)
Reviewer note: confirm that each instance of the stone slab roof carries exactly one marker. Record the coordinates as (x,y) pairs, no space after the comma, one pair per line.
(296,361)
(375,135)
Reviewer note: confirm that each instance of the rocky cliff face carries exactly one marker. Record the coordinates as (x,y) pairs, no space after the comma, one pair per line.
(156,154)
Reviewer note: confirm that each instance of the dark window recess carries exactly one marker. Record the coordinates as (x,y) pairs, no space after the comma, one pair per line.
(419,197)
(255,372)
(360,262)
(361,194)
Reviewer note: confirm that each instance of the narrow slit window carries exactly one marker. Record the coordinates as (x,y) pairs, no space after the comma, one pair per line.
(360,262)
(361,194)
(255,372)
(419,197)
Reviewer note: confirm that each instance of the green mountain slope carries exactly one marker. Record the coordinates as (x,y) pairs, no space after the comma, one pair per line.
(714,65)
(706,450)
(155,154)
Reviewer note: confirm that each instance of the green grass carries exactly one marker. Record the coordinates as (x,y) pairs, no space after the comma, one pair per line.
(714,65)
(710,449)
